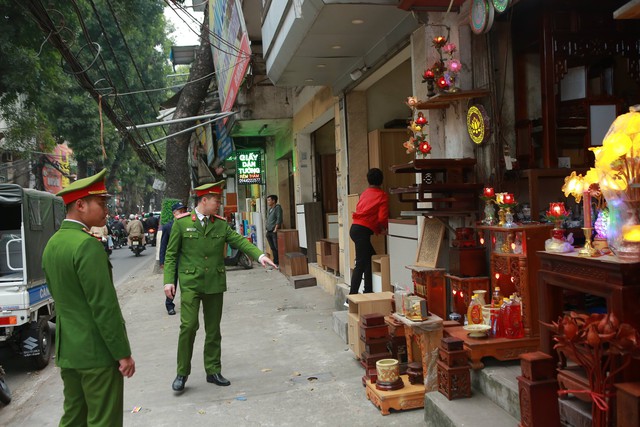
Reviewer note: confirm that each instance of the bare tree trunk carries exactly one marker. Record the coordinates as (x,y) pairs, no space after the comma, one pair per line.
(178,175)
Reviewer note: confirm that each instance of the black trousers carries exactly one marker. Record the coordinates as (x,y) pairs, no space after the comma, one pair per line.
(272,238)
(361,237)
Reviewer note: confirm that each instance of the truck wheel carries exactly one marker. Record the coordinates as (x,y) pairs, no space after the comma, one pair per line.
(245,261)
(44,342)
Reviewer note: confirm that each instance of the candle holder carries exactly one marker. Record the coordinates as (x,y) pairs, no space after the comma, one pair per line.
(588,249)
(501,217)
(489,212)
(508,218)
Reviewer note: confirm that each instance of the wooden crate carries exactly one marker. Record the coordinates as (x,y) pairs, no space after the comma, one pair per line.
(360,304)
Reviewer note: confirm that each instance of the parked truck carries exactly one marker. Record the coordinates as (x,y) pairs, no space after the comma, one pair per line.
(29,219)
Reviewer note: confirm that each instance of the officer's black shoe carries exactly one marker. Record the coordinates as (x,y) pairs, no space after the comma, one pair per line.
(218,379)
(171,312)
(179,382)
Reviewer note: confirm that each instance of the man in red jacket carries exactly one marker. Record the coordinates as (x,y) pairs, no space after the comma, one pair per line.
(371,216)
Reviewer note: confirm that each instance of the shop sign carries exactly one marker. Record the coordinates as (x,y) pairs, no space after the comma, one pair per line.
(249,166)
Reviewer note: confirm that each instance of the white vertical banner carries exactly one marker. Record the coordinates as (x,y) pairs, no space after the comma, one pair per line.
(256,219)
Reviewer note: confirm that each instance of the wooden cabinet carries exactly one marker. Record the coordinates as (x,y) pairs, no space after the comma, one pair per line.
(381,273)
(287,242)
(564,275)
(359,304)
(385,150)
(310,222)
(514,265)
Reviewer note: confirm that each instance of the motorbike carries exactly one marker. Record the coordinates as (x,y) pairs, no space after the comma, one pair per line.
(151,236)
(5,393)
(105,243)
(119,239)
(238,257)
(136,245)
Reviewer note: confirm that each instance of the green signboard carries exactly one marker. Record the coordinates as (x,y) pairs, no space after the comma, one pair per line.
(249,166)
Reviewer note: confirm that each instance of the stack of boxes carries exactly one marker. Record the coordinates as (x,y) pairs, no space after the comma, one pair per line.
(454,372)
(374,337)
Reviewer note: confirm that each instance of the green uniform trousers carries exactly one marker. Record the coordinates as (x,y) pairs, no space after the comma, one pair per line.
(92,397)
(189,310)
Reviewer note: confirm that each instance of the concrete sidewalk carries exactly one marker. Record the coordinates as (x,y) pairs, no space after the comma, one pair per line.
(286,365)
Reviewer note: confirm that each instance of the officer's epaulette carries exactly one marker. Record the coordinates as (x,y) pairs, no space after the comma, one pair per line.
(182,215)
(220,217)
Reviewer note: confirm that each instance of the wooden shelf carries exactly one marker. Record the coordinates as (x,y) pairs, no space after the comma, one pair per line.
(419,165)
(443,100)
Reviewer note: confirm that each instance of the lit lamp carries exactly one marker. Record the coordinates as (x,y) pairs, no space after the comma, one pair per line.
(578,186)
(557,213)
(488,195)
(505,202)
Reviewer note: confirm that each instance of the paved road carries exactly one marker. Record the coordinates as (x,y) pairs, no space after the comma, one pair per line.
(21,377)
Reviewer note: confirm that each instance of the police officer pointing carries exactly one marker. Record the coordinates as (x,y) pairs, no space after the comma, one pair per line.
(198,239)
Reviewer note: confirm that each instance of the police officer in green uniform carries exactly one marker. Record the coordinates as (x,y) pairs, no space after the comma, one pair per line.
(92,348)
(198,239)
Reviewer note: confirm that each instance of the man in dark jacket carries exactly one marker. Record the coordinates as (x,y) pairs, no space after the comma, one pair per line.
(177,209)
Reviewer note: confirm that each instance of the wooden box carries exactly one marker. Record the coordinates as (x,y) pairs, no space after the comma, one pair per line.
(373,332)
(451,343)
(376,346)
(430,284)
(287,242)
(302,281)
(381,273)
(296,264)
(329,251)
(467,261)
(372,319)
(360,304)
(453,359)
(537,366)
(369,360)
(454,382)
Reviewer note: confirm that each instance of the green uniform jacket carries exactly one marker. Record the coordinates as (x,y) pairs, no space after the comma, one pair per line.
(90,330)
(201,253)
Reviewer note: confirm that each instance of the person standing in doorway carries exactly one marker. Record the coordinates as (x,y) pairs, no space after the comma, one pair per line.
(178,210)
(198,239)
(371,216)
(274,223)
(92,348)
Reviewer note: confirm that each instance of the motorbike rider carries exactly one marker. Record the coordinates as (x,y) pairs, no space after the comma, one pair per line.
(101,232)
(135,229)
(118,229)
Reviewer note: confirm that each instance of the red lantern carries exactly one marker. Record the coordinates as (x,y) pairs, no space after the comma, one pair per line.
(489,192)
(421,119)
(508,199)
(424,147)
(442,83)
(428,74)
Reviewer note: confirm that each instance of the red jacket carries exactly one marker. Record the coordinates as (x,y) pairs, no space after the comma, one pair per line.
(372,210)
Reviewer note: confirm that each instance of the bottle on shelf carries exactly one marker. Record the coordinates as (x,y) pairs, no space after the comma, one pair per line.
(512,322)
(474,313)
(496,298)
